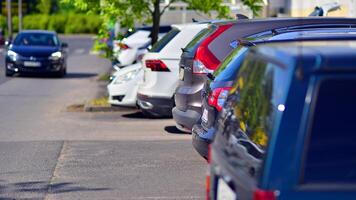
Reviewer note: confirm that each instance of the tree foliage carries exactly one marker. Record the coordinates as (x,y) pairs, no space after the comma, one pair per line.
(47,6)
(129,12)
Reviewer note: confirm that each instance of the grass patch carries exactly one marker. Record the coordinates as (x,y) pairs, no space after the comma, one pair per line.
(104,77)
(102,101)
(75,108)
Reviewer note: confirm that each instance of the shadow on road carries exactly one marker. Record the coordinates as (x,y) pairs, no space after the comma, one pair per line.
(72,75)
(43,187)
(135,115)
(140,115)
(174,130)
(75,75)
(80,75)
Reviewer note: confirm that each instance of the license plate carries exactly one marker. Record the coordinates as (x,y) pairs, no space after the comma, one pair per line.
(32,64)
(205,116)
(181,73)
(224,192)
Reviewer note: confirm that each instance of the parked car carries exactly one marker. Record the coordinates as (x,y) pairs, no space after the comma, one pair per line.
(206,52)
(123,86)
(36,51)
(217,89)
(287,131)
(132,48)
(2,37)
(155,94)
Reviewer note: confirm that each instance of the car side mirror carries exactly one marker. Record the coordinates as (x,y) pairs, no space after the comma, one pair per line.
(64,45)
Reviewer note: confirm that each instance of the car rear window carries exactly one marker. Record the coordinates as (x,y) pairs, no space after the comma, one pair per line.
(260,86)
(229,68)
(331,152)
(158,46)
(193,45)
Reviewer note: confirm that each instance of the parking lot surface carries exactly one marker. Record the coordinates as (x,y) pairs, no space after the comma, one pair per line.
(50,153)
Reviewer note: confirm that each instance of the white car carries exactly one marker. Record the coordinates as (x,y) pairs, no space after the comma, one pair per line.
(124,84)
(161,70)
(132,48)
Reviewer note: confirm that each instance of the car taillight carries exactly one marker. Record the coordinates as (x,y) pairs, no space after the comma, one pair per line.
(123,46)
(218,97)
(157,65)
(199,68)
(203,53)
(264,195)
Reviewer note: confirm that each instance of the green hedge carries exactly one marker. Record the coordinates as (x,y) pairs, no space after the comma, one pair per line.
(61,23)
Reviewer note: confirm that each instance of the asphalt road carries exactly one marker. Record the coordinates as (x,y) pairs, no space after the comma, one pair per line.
(49,153)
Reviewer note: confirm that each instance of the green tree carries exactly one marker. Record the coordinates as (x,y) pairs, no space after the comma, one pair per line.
(131,11)
(47,6)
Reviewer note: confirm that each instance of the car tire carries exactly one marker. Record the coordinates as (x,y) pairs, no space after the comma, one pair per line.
(61,73)
(8,73)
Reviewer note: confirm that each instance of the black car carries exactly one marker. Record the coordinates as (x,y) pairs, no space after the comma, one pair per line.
(36,51)
(287,128)
(206,52)
(216,91)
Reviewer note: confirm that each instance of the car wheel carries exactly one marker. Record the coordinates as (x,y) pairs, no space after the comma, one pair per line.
(61,73)
(9,73)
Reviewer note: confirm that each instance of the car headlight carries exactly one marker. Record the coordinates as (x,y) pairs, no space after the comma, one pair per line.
(12,55)
(56,55)
(126,77)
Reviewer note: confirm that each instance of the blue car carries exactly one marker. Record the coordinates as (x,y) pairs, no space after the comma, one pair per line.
(217,88)
(287,128)
(36,51)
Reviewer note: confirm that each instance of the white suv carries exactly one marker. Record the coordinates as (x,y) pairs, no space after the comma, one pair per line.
(161,70)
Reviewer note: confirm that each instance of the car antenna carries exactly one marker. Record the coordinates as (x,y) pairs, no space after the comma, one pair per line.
(246,43)
(274,32)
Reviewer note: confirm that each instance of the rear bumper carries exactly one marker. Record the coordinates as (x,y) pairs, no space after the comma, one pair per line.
(188,105)
(185,119)
(200,141)
(160,107)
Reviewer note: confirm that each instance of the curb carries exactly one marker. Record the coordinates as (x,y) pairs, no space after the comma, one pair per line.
(92,108)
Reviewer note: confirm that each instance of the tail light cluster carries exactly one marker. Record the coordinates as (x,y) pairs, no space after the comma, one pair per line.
(123,46)
(264,195)
(157,65)
(218,97)
(205,61)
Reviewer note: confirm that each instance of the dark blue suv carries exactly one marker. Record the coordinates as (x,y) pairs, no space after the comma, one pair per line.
(287,130)
(217,88)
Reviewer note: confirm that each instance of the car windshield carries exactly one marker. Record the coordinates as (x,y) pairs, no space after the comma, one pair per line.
(36,39)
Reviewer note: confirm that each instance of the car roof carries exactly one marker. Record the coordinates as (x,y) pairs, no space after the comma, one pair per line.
(306,35)
(247,27)
(312,56)
(189,25)
(38,31)
(303,20)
